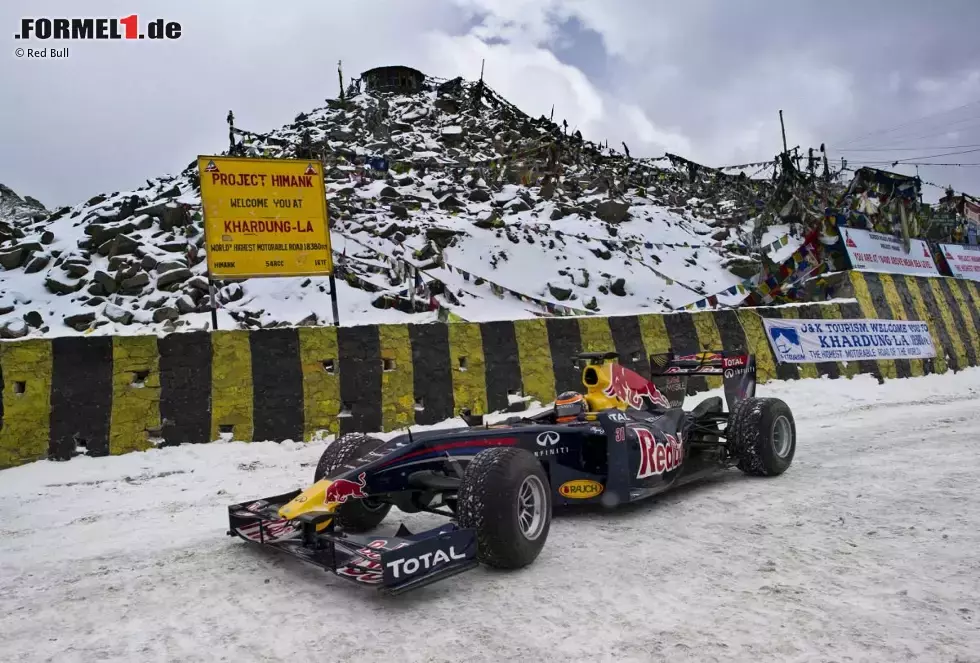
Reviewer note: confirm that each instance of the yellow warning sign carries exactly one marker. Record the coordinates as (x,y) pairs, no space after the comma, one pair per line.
(264,217)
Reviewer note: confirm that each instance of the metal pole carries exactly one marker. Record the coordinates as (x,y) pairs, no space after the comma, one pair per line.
(214,302)
(333,300)
(212,291)
(411,287)
(783,127)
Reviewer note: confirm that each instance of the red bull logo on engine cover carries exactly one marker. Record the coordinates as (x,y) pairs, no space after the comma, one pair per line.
(631,388)
(658,457)
(343,489)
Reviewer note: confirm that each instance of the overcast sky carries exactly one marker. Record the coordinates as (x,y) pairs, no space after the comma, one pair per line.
(701,78)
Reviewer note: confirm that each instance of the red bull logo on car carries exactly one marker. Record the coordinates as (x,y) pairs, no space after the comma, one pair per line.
(631,388)
(658,457)
(343,489)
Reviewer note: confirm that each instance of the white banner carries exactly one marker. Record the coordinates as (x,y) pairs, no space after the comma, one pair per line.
(963,260)
(971,210)
(806,341)
(874,252)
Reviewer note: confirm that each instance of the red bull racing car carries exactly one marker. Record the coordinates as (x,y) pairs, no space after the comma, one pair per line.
(625,438)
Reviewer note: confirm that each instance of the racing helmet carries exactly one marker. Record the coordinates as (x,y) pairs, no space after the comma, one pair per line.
(569,405)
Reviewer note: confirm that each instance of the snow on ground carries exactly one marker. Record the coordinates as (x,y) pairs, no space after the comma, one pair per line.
(867,549)
(777,232)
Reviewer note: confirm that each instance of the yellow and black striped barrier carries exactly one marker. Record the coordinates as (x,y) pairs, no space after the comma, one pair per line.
(114,395)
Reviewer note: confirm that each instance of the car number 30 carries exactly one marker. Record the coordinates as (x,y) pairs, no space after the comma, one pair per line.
(620,434)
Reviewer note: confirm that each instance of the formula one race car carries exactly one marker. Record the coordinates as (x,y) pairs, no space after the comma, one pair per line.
(622,440)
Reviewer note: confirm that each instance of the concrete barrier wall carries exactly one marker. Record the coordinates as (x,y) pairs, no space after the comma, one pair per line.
(121,394)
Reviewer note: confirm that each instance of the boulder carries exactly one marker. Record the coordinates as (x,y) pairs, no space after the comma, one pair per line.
(231,293)
(118,246)
(59,287)
(134,284)
(548,189)
(118,314)
(399,211)
(441,237)
(185,304)
(165,313)
(618,287)
(75,269)
(103,232)
(13,259)
(103,279)
(37,263)
(173,277)
(14,329)
(34,319)
(81,321)
(168,265)
(559,293)
(148,262)
(154,302)
(173,217)
(489,220)
(198,283)
(479,196)
(449,203)
(612,211)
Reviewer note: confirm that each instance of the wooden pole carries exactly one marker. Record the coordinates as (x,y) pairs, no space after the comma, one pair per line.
(340,77)
(783,127)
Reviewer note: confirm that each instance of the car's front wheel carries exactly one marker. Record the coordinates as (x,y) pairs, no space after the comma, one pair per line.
(762,433)
(505,496)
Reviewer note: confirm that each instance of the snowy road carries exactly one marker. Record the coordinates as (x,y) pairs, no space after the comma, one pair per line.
(867,549)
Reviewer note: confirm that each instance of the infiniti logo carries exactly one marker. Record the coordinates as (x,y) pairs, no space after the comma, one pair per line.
(549,437)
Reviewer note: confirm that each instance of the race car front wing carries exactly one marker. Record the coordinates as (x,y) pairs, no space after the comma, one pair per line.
(393,564)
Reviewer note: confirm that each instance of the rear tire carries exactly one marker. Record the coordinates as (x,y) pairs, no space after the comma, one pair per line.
(762,432)
(353,515)
(505,496)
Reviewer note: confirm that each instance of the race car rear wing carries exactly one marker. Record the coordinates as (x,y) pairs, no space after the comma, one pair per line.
(670,372)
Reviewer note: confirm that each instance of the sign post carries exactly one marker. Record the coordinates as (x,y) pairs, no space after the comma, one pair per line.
(265,218)
(876,252)
(810,341)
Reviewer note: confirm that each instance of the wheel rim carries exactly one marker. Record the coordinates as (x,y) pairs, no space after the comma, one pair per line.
(782,436)
(531,507)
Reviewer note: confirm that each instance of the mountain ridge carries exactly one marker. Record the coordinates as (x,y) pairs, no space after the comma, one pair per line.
(502,215)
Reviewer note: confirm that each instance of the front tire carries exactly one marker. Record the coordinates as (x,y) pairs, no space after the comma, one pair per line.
(505,496)
(762,432)
(354,516)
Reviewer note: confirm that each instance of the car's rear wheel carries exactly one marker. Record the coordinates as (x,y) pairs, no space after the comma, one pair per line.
(353,515)
(505,496)
(762,432)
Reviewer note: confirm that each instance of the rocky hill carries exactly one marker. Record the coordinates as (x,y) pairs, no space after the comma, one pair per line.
(447,203)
